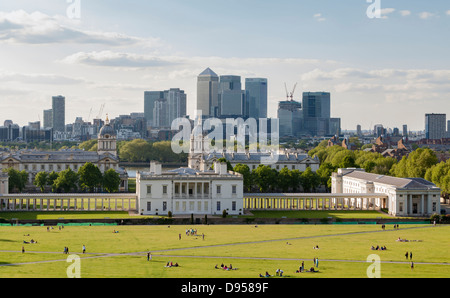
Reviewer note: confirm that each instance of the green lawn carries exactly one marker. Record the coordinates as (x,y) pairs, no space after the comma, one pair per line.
(343,250)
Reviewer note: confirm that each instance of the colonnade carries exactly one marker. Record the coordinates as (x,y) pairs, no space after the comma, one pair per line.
(68,202)
(313,201)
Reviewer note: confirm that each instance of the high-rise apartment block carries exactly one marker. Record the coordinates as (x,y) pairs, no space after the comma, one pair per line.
(162,107)
(59,113)
(435,126)
(48,118)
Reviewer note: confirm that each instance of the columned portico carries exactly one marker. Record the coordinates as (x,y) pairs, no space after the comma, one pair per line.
(68,202)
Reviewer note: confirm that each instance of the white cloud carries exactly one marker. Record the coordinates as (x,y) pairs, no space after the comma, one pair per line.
(447,12)
(426,15)
(39,28)
(319,17)
(384,12)
(405,13)
(116,59)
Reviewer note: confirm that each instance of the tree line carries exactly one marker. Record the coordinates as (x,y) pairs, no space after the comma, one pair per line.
(89,178)
(420,163)
(140,150)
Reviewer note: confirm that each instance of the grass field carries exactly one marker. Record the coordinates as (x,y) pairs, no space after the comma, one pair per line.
(343,251)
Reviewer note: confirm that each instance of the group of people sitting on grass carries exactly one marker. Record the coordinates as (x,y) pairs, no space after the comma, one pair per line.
(225,267)
(378,247)
(170,264)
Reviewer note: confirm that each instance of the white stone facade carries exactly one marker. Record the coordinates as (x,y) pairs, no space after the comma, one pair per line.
(189,191)
(405,196)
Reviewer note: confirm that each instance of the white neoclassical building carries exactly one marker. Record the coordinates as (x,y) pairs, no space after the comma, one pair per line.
(401,196)
(189,191)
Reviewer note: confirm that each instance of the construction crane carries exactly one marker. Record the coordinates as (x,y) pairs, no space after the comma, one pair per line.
(89,117)
(291,94)
(99,116)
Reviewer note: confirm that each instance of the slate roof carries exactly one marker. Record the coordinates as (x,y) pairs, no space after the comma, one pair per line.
(256,157)
(410,183)
(74,155)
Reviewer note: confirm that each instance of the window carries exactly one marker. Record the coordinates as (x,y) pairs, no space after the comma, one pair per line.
(218,189)
(233,189)
(164,189)
(434,206)
(149,189)
(233,205)
(400,207)
(164,206)
(218,206)
(149,206)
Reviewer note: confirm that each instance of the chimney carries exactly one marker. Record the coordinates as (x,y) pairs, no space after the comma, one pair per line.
(217,167)
(223,168)
(155,168)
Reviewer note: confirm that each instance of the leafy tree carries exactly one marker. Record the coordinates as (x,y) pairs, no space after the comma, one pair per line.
(284,179)
(40,180)
(415,164)
(17,179)
(324,172)
(51,178)
(137,150)
(67,180)
(295,179)
(90,145)
(90,176)
(309,180)
(264,177)
(246,173)
(111,181)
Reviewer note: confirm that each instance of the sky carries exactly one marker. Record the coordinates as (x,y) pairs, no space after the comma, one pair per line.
(383,61)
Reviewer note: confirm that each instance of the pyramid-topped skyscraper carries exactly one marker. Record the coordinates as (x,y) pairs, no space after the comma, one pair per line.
(207,93)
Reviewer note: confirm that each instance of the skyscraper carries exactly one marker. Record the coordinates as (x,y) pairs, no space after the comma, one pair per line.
(48,118)
(256,97)
(149,104)
(290,118)
(167,105)
(207,93)
(231,97)
(435,126)
(59,113)
(316,113)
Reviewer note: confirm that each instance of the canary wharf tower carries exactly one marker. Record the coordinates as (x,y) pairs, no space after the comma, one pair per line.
(207,93)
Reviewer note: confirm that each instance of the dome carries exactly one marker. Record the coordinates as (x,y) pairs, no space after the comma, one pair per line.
(107,130)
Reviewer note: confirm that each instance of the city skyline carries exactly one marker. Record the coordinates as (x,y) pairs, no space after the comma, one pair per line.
(390,70)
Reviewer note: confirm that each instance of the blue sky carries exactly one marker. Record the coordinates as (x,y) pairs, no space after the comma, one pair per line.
(390,70)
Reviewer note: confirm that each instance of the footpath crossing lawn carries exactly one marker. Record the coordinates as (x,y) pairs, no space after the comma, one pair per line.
(252,249)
